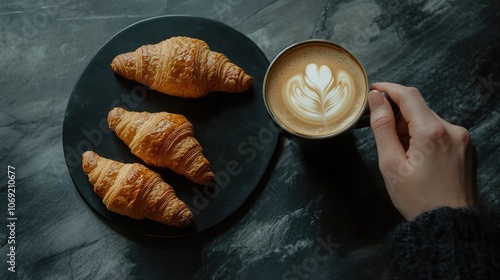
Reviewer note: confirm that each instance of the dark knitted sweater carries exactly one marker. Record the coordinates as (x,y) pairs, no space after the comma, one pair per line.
(446,244)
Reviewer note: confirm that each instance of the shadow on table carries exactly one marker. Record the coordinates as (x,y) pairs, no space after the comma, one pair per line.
(160,257)
(357,210)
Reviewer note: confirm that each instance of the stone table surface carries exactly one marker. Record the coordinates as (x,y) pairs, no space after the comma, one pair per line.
(313,215)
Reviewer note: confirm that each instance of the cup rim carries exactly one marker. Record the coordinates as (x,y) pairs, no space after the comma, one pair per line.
(284,127)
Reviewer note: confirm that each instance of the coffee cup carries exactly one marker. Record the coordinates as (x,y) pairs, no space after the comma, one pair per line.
(316,89)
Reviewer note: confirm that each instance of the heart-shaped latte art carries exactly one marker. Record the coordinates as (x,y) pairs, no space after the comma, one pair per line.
(318,95)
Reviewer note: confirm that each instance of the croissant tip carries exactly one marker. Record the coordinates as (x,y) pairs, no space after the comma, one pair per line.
(124,65)
(184,219)
(245,83)
(115,114)
(89,159)
(206,178)
(117,110)
(248,83)
(188,220)
(88,155)
(114,64)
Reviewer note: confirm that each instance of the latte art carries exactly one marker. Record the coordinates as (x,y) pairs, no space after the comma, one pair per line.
(317,95)
(315,90)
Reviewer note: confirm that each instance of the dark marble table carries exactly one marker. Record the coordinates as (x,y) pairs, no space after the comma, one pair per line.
(314,215)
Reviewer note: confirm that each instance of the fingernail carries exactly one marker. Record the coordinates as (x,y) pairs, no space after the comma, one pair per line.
(375,99)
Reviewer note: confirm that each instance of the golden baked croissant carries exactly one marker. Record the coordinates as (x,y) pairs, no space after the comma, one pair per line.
(135,191)
(182,66)
(162,140)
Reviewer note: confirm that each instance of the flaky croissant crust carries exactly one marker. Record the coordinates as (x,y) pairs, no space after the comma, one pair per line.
(135,191)
(162,140)
(182,66)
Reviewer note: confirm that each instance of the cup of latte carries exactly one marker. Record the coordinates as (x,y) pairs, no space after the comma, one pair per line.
(316,90)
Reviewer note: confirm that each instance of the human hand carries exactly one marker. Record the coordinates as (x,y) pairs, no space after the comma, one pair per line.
(426,162)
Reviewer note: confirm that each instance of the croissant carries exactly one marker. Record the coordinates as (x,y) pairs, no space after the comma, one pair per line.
(182,66)
(162,140)
(135,191)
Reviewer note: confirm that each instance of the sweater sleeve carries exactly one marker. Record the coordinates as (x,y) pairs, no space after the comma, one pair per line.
(446,244)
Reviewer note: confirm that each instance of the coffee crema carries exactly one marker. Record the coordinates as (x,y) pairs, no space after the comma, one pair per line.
(316,89)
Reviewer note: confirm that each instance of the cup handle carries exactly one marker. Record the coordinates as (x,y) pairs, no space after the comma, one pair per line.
(364,121)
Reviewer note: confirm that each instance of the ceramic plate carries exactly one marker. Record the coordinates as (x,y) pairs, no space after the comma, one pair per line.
(234,129)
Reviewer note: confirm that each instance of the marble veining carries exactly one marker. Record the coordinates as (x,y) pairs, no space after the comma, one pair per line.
(312,217)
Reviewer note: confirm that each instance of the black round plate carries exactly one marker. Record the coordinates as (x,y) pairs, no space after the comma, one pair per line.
(234,130)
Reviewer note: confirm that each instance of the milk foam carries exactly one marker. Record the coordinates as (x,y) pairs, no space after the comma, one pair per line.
(317,95)
(316,90)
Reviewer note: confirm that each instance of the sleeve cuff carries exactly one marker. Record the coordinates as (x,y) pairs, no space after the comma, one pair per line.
(446,243)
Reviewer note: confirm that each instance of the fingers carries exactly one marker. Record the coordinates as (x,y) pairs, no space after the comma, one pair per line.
(411,104)
(425,161)
(383,124)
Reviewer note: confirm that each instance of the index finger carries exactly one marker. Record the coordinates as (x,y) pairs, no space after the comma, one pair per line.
(410,102)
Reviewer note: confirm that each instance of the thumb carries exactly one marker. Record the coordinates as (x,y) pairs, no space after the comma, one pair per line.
(383,124)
